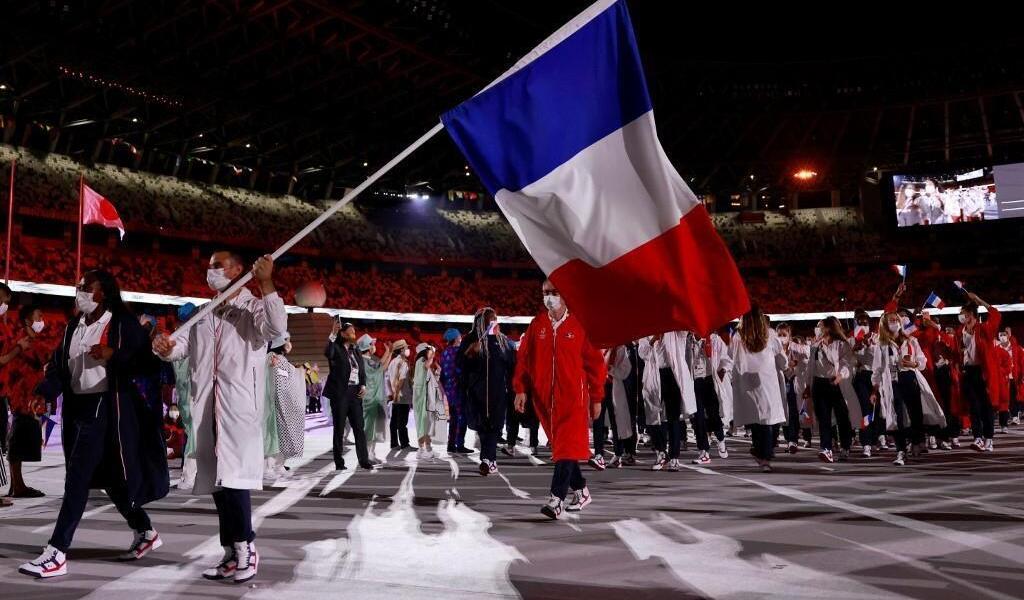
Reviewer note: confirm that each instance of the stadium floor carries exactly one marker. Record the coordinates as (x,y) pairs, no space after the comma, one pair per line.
(949,525)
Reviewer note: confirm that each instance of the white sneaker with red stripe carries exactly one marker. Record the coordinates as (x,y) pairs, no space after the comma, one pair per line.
(51,563)
(226,568)
(580,500)
(145,542)
(248,561)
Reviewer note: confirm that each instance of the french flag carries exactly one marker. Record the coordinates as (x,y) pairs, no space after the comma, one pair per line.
(934,301)
(566,142)
(901,270)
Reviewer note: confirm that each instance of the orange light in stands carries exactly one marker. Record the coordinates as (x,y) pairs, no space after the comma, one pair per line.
(805,174)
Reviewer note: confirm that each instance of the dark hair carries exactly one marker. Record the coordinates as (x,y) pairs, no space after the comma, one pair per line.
(397,352)
(422,355)
(834,328)
(970,307)
(5,288)
(234,256)
(25,312)
(784,325)
(111,292)
(277,350)
(860,312)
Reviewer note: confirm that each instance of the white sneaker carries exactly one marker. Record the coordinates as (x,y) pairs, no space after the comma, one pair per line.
(597,461)
(703,458)
(956,442)
(674,465)
(51,563)
(188,474)
(660,462)
(932,444)
(793,448)
(145,542)
(722,451)
(866,453)
(882,443)
(1004,430)
(946,446)
(978,445)
(492,467)
(900,459)
(988,446)
(826,456)
(804,444)
(1015,421)
(614,463)
(226,568)
(580,500)
(553,508)
(248,560)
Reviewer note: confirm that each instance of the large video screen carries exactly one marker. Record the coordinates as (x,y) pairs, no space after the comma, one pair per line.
(963,196)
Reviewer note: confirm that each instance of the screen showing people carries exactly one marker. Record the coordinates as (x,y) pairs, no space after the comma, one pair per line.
(963,196)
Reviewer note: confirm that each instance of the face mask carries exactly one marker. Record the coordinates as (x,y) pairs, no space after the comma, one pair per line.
(784,339)
(216,279)
(893,326)
(37,326)
(1003,339)
(405,353)
(818,332)
(173,415)
(963,318)
(85,304)
(3,308)
(553,302)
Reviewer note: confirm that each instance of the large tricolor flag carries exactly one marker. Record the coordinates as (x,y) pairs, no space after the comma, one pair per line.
(566,142)
(98,210)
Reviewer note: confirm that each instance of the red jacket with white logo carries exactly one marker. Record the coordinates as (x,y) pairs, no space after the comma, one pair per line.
(564,374)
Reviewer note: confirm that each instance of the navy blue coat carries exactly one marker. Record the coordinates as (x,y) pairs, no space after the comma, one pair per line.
(137,459)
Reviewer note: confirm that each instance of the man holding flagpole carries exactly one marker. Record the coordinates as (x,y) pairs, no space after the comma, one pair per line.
(227,352)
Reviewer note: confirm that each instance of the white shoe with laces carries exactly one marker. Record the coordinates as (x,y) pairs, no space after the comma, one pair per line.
(988,446)
(553,508)
(674,465)
(723,452)
(51,563)
(978,445)
(703,458)
(946,446)
(580,500)
(660,462)
(225,568)
(932,444)
(145,542)
(597,461)
(248,561)
(866,453)
(900,459)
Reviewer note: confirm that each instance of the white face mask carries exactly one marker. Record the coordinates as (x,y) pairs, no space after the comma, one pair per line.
(216,279)
(963,318)
(3,308)
(552,302)
(173,415)
(1003,339)
(894,327)
(38,326)
(405,353)
(818,332)
(85,304)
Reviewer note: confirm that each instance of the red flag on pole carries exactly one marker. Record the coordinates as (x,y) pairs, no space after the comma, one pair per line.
(99,211)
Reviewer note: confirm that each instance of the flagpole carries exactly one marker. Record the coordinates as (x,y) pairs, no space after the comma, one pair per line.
(10,224)
(81,215)
(246,277)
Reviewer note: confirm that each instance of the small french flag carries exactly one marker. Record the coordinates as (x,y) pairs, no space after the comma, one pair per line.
(910,328)
(934,301)
(868,419)
(901,270)
(959,285)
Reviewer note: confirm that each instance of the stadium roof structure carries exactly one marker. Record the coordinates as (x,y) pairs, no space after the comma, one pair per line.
(308,95)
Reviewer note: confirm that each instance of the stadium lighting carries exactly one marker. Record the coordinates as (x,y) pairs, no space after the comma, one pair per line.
(366,164)
(135,119)
(3,87)
(248,145)
(805,174)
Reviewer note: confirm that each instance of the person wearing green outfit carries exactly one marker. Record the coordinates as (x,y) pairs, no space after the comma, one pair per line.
(183,398)
(427,400)
(374,400)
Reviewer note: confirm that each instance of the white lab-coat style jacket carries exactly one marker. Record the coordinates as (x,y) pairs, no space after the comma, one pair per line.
(227,353)
(675,349)
(758,386)
(884,362)
(619,369)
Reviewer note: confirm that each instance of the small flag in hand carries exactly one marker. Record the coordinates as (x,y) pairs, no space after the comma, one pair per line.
(934,301)
(960,286)
(901,270)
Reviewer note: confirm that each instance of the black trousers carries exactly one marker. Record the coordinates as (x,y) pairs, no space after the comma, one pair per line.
(906,395)
(763,441)
(600,430)
(512,427)
(489,441)
(399,428)
(944,392)
(827,398)
(707,418)
(234,513)
(567,476)
(673,399)
(862,386)
(87,439)
(4,411)
(792,427)
(973,388)
(348,407)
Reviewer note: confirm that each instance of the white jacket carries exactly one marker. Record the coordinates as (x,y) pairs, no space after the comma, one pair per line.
(675,349)
(619,370)
(881,378)
(720,360)
(758,388)
(227,352)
